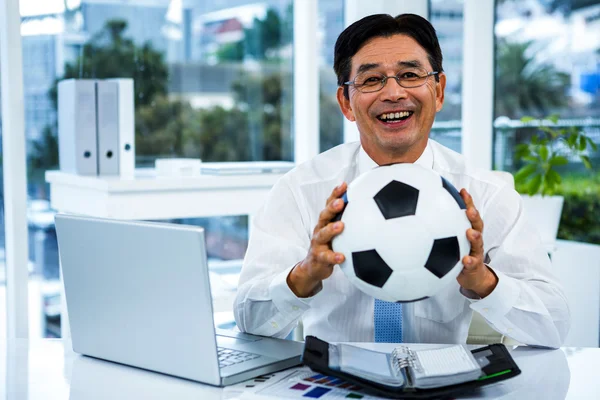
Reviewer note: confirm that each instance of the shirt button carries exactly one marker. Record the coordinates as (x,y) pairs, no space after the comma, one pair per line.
(485,310)
(295,308)
(274,324)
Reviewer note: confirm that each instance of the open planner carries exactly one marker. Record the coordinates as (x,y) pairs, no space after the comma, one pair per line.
(411,373)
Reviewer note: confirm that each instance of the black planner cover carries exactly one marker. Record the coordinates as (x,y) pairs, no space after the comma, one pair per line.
(501,367)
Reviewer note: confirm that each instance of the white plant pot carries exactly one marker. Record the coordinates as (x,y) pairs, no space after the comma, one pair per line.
(544,213)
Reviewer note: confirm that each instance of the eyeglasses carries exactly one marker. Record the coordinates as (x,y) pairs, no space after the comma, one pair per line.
(369,81)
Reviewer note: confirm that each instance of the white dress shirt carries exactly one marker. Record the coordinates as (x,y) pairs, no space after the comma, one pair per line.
(528,304)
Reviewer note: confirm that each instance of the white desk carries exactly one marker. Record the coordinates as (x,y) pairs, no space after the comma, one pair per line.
(44,369)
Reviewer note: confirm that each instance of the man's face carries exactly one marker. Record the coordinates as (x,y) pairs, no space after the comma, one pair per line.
(393,141)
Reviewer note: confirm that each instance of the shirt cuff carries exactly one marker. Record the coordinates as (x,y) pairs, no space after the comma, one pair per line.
(500,301)
(284,299)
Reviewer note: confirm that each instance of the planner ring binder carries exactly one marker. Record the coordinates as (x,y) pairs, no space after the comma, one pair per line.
(408,359)
(411,374)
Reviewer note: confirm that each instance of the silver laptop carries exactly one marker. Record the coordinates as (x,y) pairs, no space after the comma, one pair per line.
(138,293)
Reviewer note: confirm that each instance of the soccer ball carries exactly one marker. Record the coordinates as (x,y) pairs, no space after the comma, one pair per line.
(405,233)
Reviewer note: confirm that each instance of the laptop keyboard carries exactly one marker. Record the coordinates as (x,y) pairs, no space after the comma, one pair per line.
(228,357)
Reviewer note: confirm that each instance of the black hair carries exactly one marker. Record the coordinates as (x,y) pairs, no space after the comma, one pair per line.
(354,37)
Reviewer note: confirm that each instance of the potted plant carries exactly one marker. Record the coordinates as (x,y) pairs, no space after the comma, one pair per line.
(539,178)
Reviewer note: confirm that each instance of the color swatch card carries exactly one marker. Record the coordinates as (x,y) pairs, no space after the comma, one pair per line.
(305,384)
(295,383)
(246,389)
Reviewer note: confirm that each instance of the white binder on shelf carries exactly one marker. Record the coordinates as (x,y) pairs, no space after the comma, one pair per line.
(126,126)
(77,144)
(107,127)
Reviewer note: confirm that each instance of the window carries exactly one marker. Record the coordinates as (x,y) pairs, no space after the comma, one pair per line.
(2,241)
(446,16)
(213,80)
(331,24)
(547,62)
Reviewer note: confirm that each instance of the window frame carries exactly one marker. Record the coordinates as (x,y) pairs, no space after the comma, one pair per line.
(15,171)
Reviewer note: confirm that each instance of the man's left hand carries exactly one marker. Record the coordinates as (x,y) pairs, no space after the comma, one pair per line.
(475,276)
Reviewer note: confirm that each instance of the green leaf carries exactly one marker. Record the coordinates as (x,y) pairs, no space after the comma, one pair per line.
(572,140)
(582,143)
(524,172)
(547,187)
(553,118)
(527,119)
(531,159)
(521,147)
(592,144)
(543,152)
(586,161)
(521,151)
(556,161)
(553,178)
(534,185)
(550,131)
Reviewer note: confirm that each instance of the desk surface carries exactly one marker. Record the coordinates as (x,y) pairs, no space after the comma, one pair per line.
(45,369)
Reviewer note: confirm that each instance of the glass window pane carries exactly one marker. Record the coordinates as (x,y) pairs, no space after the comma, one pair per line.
(446,16)
(2,242)
(41,45)
(547,63)
(331,119)
(213,80)
(237,81)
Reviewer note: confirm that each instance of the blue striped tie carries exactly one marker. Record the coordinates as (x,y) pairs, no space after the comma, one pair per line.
(388,322)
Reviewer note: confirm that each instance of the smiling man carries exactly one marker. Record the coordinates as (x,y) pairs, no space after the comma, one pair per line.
(391,83)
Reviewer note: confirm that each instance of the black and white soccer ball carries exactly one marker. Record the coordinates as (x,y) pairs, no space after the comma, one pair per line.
(405,233)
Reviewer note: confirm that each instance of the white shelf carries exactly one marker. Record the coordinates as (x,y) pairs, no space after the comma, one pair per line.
(150,197)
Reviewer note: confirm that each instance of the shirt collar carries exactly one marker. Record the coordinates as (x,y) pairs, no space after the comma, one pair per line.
(366,163)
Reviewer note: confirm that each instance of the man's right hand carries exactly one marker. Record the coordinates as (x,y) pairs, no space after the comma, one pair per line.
(307,275)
